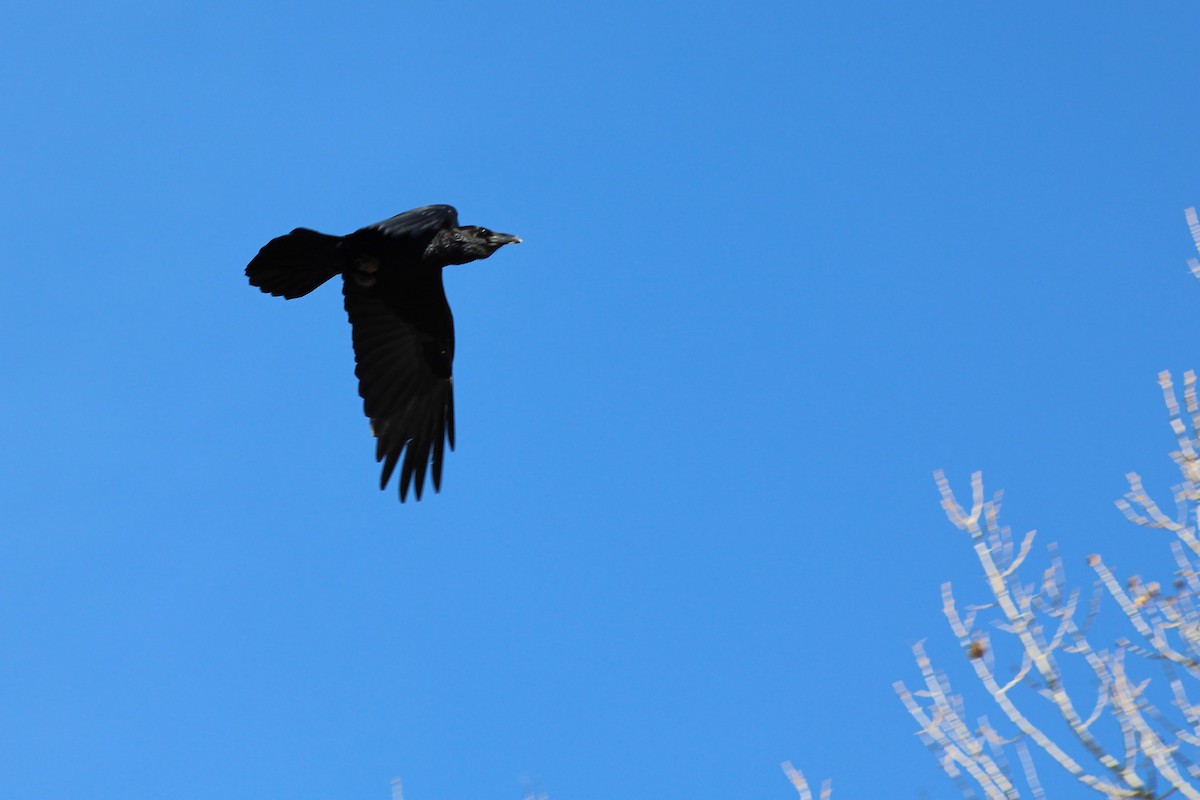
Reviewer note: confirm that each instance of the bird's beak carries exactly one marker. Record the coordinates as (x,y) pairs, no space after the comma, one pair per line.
(500,239)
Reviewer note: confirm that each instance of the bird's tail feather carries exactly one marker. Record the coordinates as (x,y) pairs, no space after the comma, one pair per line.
(293,265)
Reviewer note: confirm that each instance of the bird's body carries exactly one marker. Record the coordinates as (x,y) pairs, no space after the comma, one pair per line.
(401,324)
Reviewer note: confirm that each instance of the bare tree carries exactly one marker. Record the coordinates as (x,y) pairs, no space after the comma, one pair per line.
(1088,709)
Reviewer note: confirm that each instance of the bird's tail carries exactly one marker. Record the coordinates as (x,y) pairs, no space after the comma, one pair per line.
(292,266)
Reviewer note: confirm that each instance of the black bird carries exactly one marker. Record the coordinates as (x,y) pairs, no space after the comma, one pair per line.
(400,322)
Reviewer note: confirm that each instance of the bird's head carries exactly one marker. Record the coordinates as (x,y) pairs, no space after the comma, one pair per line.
(472,242)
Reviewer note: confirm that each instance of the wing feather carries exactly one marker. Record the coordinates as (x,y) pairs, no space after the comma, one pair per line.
(408,397)
(423,221)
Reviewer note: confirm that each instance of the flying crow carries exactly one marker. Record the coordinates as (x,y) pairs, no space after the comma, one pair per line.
(400,322)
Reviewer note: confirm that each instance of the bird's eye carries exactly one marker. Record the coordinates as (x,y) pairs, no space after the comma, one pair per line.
(484,232)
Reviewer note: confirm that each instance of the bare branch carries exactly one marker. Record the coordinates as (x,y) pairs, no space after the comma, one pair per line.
(1139,748)
(801,785)
(1127,704)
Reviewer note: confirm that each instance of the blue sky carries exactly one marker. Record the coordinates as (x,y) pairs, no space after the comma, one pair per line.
(781,261)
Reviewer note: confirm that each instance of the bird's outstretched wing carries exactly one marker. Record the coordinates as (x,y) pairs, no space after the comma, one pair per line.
(419,222)
(403,354)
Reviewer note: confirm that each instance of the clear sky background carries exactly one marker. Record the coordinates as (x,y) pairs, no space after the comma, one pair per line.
(781,261)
